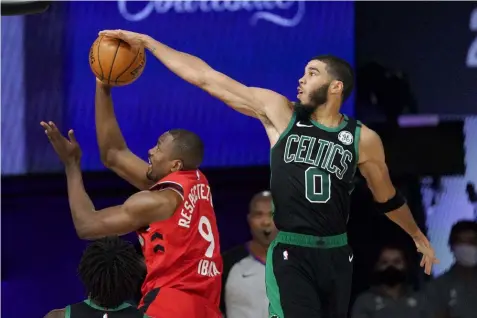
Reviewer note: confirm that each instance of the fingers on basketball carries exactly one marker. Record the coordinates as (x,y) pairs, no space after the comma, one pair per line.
(115,62)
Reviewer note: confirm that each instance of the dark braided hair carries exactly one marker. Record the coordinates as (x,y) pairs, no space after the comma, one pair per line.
(111,271)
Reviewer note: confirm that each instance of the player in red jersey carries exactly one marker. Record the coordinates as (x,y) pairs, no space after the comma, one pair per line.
(173,214)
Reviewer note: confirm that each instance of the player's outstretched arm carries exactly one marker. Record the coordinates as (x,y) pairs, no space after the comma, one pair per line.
(270,107)
(138,211)
(373,167)
(115,154)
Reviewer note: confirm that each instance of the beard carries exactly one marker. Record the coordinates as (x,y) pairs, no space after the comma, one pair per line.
(150,175)
(317,98)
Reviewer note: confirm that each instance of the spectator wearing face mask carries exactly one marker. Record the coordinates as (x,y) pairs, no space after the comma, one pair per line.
(454,293)
(391,294)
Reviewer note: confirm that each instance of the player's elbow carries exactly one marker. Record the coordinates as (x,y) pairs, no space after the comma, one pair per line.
(86,232)
(84,235)
(87,237)
(207,79)
(109,157)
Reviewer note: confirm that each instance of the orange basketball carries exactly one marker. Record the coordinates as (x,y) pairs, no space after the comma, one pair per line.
(115,62)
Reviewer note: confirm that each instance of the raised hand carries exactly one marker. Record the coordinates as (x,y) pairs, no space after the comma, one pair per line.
(68,150)
(132,38)
(428,254)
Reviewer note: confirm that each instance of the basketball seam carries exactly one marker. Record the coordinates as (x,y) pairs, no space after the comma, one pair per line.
(127,68)
(112,63)
(99,61)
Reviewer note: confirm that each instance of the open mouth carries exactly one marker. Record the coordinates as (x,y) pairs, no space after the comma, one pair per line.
(300,92)
(267,233)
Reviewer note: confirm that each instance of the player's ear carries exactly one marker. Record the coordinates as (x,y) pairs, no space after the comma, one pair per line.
(336,87)
(177,165)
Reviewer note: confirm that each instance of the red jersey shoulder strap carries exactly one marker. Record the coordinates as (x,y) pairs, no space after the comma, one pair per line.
(179,181)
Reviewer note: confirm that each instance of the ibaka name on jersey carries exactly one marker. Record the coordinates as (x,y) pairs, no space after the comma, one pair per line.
(197,192)
(186,245)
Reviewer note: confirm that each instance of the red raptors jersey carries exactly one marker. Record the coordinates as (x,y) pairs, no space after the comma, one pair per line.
(183,252)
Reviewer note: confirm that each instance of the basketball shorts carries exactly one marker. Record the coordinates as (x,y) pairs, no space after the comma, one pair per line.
(309,276)
(173,303)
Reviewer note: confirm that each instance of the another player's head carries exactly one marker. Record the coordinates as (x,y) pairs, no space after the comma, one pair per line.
(177,149)
(463,243)
(260,218)
(391,267)
(327,79)
(110,270)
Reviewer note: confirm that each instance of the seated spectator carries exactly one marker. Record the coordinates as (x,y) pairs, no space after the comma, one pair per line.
(391,294)
(110,270)
(243,279)
(454,293)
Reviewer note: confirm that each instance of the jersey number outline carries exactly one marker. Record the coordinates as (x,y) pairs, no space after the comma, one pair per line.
(208,236)
(472,53)
(312,175)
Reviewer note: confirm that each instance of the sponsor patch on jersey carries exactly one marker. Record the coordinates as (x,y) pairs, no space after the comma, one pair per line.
(345,137)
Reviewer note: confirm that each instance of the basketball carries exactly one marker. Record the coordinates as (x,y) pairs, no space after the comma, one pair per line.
(115,62)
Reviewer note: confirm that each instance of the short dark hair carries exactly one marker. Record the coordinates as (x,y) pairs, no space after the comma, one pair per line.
(188,147)
(262,195)
(340,70)
(111,270)
(394,246)
(459,227)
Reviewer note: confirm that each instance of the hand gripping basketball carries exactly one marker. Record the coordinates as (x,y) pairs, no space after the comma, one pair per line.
(114,61)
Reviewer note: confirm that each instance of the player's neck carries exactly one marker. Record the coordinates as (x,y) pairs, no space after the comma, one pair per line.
(257,250)
(328,115)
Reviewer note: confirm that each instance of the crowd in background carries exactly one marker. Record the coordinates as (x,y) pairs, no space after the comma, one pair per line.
(392,293)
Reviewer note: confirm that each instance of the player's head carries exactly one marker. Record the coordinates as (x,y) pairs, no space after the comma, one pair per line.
(463,243)
(110,270)
(326,78)
(260,218)
(391,267)
(177,149)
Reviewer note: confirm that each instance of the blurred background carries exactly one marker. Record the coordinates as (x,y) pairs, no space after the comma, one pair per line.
(416,69)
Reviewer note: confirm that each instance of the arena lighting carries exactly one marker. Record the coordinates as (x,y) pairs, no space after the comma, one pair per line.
(23,7)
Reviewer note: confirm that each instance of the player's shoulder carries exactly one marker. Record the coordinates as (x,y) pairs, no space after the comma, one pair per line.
(56,313)
(370,145)
(369,137)
(180,180)
(185,177)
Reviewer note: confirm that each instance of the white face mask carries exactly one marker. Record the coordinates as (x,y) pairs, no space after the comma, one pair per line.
(465,254)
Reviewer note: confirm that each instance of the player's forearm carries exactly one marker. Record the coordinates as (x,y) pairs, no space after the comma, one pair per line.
(108,133)
(81,205)
(403,217)
(190,68)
